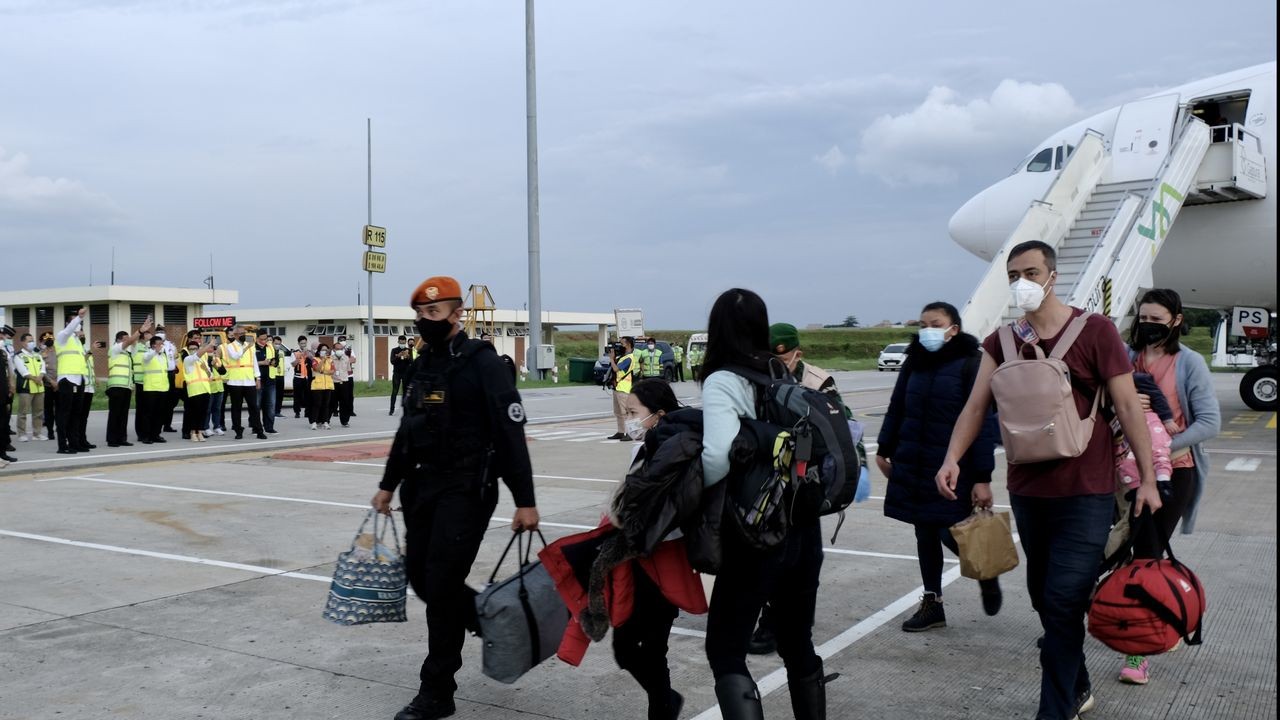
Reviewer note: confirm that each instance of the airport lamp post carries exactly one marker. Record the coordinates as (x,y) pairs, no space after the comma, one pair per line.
(531,131)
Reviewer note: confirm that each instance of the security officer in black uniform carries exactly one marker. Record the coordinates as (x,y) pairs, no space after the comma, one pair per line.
(462,428)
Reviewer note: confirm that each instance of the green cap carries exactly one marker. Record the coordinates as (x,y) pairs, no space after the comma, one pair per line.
(783,337)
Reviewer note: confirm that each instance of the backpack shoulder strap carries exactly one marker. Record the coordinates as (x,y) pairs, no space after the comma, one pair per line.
(1069,336)
(754,376)
(1007,345)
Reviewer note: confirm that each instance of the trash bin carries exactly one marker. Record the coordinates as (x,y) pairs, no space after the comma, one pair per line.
(581,370)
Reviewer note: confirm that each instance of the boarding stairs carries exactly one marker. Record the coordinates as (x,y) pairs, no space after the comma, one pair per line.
(1108,231)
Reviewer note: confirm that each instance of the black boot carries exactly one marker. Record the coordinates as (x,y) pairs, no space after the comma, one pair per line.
(929,615)
(992,597)
(426,708)
(666,706)
(739,698)
(808,695)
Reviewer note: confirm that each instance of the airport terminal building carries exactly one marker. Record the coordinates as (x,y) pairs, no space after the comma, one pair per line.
(124,307)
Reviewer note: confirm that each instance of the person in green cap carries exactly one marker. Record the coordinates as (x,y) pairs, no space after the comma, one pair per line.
(784,342)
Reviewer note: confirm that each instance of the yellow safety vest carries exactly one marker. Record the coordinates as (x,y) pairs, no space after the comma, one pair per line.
(35,385)
(241,369)
(138,353)
(198,381)
(215,380)
(275,372)
(120,370)
(322,381)
(625,377)
(71,357)
(155,374)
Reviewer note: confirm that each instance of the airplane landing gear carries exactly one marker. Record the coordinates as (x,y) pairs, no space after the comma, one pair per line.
(1259,388)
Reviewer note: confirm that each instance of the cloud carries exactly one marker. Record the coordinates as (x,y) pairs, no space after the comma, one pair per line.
(832,159)
(933,143)
(52,211)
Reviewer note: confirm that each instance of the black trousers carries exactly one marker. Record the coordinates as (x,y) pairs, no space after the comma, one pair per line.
(398,385)
(6,409)
(195,411)
(118,414)
(319,405)
(301,396)
(68,415)
(342,398)
(151,411)
(445,521)
(280,394)
(174,395)
(139,421)
(640,644)
(929,542)
(50,411)
(1181,486)
(240,395)
(786,577)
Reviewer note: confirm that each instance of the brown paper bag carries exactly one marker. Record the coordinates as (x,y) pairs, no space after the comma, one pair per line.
(986,545)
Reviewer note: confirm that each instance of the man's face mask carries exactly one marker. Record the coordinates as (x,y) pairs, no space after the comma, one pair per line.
(1027,295)
(31,346)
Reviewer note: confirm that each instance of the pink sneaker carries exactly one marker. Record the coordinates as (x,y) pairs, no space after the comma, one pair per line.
(1135,670)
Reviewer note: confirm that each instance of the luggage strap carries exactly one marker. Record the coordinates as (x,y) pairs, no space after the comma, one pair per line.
(531,621)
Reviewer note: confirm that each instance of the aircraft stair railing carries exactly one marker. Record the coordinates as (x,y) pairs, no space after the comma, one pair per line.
(1048,219)
(1234,168)
(1124,258)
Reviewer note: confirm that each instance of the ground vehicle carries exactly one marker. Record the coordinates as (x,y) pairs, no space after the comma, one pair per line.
(892,356)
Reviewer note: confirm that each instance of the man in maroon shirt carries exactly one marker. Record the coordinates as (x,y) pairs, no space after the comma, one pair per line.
(1063,507)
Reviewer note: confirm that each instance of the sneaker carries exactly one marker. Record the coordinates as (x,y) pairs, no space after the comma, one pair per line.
(1177,646)
(313,426)
(24,438)
(1135,670)
(928,616)
(326,426)
(1084,701)
(992,597)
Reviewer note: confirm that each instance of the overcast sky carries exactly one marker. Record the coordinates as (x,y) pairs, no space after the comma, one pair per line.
(810,151)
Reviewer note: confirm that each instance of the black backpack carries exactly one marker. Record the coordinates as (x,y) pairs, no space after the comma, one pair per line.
(795,463)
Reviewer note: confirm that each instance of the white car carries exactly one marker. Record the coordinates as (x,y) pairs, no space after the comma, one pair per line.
(892,357)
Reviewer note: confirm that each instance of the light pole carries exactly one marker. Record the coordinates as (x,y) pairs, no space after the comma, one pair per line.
(531,141)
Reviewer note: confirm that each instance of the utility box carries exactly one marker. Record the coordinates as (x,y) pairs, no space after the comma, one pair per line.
(545,357)
(581,370)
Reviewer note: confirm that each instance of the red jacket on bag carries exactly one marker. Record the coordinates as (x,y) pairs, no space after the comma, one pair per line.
(569,560)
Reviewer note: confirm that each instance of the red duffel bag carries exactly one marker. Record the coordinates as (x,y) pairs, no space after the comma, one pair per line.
(1144,606)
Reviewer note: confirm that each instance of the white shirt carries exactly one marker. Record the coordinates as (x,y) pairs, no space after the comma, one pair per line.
(64,335)
(170,355)
(236,351)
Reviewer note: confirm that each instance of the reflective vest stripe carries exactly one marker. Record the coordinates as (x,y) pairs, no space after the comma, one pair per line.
(198,380)
(120,370)
(155,375)
(35,385)
(273,371)
(241,369)
(625,376)
(137,365)
(71,357)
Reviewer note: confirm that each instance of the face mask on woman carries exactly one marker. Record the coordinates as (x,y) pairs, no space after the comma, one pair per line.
(934,338)
(1150,333)
(1028,296)
(635,427)
(324,353)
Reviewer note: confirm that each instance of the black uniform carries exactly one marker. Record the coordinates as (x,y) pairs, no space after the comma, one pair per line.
(401,364)
(5,400)
(463,427)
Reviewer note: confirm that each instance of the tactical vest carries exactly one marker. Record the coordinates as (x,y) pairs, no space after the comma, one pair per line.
(439,431)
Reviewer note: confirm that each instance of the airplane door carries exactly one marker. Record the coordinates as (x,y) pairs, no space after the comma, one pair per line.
(1142,139)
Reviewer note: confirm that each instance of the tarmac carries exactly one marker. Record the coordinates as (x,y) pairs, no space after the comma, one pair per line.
(187,581)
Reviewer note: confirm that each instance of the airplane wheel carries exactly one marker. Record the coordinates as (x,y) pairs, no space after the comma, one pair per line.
(1259,388)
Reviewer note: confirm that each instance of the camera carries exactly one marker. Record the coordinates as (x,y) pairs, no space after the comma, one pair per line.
(615,349)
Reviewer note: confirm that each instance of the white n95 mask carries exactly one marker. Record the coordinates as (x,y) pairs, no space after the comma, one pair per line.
(1027,296)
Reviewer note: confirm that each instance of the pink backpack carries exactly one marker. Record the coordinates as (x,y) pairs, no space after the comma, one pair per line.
(1037,410)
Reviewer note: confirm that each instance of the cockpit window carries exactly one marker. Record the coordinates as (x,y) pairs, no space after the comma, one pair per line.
(1058,159)
(1042,162)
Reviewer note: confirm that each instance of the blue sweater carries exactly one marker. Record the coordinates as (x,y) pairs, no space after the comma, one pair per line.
(726,399)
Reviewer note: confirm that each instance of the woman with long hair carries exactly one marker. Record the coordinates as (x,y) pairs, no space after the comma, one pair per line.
(321,401)
(1184,379)
(786,576)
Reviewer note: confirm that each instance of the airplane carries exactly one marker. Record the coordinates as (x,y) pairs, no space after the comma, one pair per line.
(1217,236)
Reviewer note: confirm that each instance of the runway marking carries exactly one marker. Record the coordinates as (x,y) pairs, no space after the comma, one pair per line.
(88,478)
(350,462)
(1243,465)
(881,498)
(186,448)
(690,633)
(1271,424)
(565,477)
(778,678)
(868,553)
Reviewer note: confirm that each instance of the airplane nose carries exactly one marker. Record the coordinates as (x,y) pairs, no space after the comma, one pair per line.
(968,227)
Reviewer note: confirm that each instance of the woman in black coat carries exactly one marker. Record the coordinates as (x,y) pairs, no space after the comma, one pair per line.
(932,389)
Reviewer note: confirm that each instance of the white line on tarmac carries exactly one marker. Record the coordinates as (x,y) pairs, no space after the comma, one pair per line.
(86,476)
(881,498)
(778,678)
(89,478)
(690,633)
(167,556)
(348,462)
(868,553)
(186,447)
(565,477)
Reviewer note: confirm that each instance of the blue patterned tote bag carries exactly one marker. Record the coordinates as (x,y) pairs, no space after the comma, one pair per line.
(369,583)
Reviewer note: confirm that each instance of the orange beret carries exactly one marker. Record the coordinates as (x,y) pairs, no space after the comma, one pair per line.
(436,289)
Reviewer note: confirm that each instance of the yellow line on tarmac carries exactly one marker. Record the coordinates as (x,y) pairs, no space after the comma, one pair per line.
(1271,424)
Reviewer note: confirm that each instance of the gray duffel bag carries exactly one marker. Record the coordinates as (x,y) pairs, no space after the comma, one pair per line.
(522,618)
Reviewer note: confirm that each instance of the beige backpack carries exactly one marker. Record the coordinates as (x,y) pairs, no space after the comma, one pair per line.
(1037,411)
